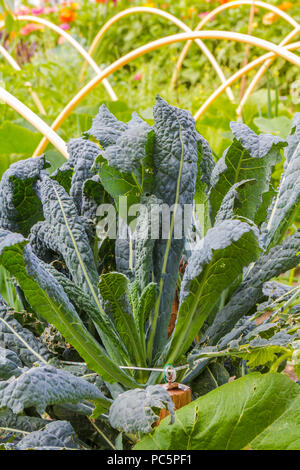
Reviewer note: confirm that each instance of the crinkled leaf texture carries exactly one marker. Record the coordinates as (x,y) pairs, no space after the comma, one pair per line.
(10,364)
(18,425)
(134,411)
(48,297)
(58,435)
(260,412)
(175,169)
(20,340)
(20,205)
(280,259)
(214,267)
(41,386)
(287,202)
(61,218)
(83,154)
(249,157)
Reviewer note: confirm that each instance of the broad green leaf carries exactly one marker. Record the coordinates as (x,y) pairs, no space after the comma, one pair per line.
(58,386)
(20,205)
(175,169)
(218,262)
(119,184)
(15,139)
(280,126)
(249,157)
(259,412)
(47,297)
(280,259)
(114,288)
(287,202)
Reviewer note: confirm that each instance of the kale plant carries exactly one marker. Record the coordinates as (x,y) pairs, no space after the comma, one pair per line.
(111,298)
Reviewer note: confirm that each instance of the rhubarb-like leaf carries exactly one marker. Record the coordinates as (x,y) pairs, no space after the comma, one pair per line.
(249,413)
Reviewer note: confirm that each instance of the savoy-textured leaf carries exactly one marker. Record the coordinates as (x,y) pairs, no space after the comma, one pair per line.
(144,241)
(58,435)
(287,202)
(131,147)
(20,205)
(260,412)
(47,296)
(249,157)
(175,166)
(106,128)
(280,259)
(83,153)
(225,250)
(134,411)
(20,340)
(62,218)
(10,364)
(18,425)
(41,386)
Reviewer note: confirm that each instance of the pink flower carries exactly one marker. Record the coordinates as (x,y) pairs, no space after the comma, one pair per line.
(29,28)
(37,11)
(61,40)
(138,77)
(204,14)
(64,26)
(22,11)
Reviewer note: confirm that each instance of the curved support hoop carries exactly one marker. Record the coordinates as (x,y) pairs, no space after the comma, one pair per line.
(17,68)
(167,16)
(37,122)
(262,71)
(266,57)
(73,42)
(244,38)
(218,10)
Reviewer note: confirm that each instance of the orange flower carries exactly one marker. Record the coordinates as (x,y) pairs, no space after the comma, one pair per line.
(269,18)
(29,28)
(285,6)
(67,15)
